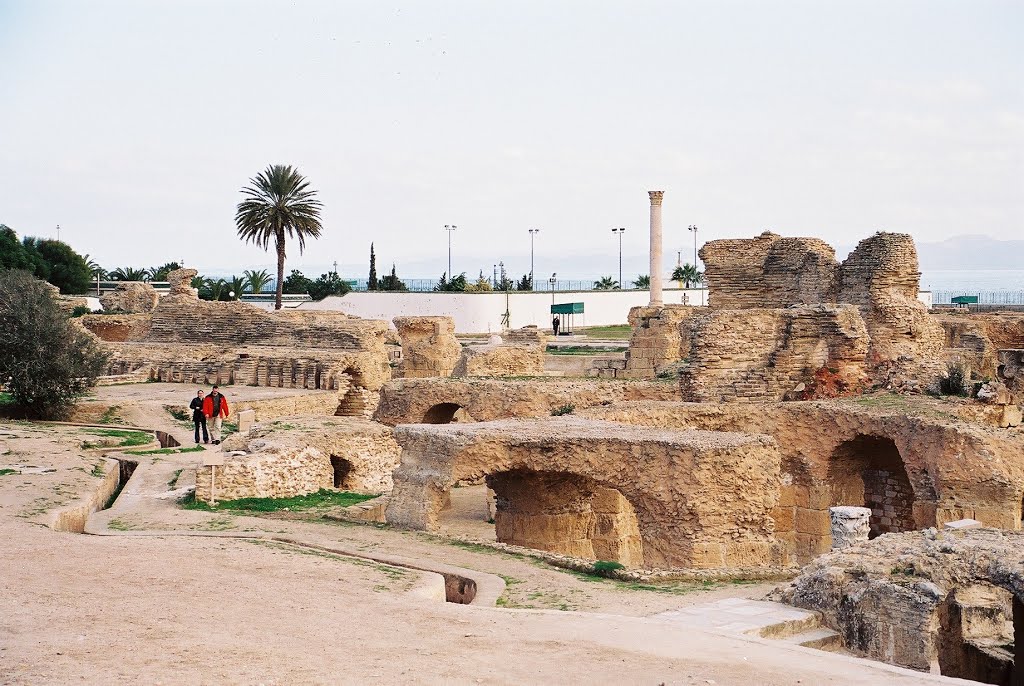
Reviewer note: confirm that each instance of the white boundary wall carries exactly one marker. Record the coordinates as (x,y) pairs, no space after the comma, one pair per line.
(482,312)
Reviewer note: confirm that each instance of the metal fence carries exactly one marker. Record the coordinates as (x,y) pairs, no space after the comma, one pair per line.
(426,285)
(1000,297)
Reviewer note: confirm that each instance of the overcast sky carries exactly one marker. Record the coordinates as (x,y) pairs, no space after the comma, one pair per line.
(133,125)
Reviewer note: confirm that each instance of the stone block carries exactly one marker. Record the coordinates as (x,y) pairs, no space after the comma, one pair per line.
(962,524)
(808,521)
(246,419)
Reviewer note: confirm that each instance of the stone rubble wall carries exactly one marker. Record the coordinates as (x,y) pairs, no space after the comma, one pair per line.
(117,328)
(763,354)
(407,401)
(293,456)
(520,354)
(429,346)
(892,598)
(657,341)
(956,470)
(130,297)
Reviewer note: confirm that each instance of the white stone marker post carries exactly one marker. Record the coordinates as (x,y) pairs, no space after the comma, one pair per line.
(850,525)
(655,274)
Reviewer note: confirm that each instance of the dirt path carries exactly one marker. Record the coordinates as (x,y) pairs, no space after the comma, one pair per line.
(137,608)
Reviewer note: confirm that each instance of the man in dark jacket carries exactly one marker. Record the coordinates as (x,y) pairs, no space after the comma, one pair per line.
(198,418)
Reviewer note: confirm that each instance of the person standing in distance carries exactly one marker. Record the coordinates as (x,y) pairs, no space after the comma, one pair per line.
(198,418)
(215,407)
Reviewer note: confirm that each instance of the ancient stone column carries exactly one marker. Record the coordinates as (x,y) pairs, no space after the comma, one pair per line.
(850,525)
(656,197)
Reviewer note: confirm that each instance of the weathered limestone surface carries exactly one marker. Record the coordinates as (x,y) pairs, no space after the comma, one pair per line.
(521,353)
(180,281)
(657,341)
(948,601)
(914,469)
(761,354)
(429,347)
(117,328)
(300,455)
(414,401)
(701,499)
(131,297)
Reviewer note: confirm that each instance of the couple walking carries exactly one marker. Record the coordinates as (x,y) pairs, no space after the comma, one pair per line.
(214,408)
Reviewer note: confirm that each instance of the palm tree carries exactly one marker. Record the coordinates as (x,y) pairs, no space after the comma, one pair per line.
(278,202)
(606,283)
(256,281)
(687,274)
(160,273)
(95,269)
(643,281)
(236,286)
(216,289)
(127,274)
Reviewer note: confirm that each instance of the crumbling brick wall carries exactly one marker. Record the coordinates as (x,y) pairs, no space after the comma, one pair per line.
(429,346)
(656,341)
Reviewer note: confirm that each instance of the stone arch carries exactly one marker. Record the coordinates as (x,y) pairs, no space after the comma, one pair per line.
(868,471)
(342,470)
(446,413)
(565,513)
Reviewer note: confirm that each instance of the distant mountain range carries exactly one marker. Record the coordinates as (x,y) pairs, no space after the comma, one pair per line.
(971,252)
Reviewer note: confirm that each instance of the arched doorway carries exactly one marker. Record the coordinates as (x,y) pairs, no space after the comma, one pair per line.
(565,513)
(868,471)
(446,413)
(341,468)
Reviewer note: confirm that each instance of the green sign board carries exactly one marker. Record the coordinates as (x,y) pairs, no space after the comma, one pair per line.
(965,300)
(567,308)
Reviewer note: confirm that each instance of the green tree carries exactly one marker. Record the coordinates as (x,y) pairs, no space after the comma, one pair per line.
(392,282)
(160,273)
(296,283)
(214,289)
(481,285)
(46,362)
(278,203)
(328,284)
(66,269)
(257,281)
(687,274)
(371,283)
(643,281)
(525,283)
(606,283)
(95,270)
(236,286)
(40,268)
(457,284)
(127,274)
(13,254)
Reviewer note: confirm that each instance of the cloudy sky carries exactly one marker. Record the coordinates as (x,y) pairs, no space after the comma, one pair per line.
(133,125)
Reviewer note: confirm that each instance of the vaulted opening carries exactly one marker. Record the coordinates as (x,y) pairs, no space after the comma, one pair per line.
(868,471)
(446,413)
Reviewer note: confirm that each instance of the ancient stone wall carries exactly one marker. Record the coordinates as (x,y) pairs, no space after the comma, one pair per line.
(299,455)
(413,401)
(656,341)
(117,328)
(131,297)
(429,346)
(521,353)
(675,481)
(769,271)
(763,354)
(833,453)
(928,600)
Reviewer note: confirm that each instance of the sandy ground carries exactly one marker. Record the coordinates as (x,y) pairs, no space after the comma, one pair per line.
(146,605)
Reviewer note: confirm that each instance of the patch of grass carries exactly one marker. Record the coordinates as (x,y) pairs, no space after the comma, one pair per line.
(321,499)
(97,469)
(616,332)
(605,567)
(118,524)
(584,349)
(6,398)
(126,438)
(165,451)
(5,471)
(174,480)
(178,413)
(112,415)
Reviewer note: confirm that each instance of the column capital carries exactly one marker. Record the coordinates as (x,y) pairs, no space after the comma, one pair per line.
(656,196)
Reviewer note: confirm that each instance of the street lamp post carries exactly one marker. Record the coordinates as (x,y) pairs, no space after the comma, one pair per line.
(693,229)
(533,232)
(620,230)
(552,281)
(450,228)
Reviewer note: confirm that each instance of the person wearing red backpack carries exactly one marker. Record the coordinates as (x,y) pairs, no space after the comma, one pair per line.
(215,407)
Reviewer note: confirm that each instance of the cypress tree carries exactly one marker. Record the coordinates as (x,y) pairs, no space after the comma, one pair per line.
(371,284)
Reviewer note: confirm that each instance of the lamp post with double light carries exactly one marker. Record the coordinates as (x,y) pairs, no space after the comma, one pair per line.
(619,231)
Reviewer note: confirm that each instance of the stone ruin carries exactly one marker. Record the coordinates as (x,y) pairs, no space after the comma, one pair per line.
(188,340)
(130,297)
(782,312)
(430,349)
(950,602)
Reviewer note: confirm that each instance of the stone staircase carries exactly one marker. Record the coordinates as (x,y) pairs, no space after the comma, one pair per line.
(775,621)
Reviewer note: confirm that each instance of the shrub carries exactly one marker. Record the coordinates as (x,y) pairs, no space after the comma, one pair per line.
(46,362)
(564,409)
(956,381)
(606,567)
(79,311)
